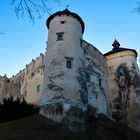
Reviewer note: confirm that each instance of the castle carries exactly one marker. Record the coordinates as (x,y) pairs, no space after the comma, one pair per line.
(74,78)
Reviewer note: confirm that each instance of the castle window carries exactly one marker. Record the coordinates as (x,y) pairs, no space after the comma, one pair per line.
(60,36)
(38,88)
(121,71)
(69,62)
(32,74)
(84,51)
(63,22)
(87,77)
(100,82)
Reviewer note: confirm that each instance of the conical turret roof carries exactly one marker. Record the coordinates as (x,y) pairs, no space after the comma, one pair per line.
(66,12)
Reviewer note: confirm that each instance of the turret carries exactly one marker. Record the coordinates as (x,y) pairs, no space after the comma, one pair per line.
(115,44)
(4,82)
(124,85)
(62,93)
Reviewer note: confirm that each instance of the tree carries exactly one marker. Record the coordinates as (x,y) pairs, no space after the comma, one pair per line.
(36,8)
(32,8)
(12,110)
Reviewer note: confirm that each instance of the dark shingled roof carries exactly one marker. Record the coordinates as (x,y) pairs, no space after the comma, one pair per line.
(116,49)
(66,12)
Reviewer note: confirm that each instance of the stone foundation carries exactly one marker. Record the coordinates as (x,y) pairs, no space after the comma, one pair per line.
(69,116)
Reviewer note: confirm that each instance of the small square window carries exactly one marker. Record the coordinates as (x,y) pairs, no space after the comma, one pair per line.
(63,22)
(32,74)
(69,64)
(59,36)
(38,88)
(69,61)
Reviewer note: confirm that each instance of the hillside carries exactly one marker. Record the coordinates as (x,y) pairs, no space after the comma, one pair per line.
(33,127)
(37,127)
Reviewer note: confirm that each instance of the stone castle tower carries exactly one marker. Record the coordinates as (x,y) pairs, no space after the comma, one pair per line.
(61,89)
(71,73)
(124,85)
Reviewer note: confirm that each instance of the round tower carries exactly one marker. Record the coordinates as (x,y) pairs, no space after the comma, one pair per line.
(64,98)
(124,85)
(4,82)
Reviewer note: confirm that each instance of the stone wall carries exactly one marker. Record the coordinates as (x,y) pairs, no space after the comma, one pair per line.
(96,79)
(26,84)
(124,86)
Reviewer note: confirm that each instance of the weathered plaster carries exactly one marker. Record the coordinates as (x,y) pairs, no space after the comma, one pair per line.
(124,88)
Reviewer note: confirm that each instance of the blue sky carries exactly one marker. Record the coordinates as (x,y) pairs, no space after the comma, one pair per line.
(104,21)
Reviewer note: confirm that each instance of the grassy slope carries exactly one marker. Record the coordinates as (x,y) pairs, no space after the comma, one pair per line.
(33,128)
(37,127)
(105,129)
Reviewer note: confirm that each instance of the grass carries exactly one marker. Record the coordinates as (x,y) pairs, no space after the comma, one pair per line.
(37,127)
(33,128)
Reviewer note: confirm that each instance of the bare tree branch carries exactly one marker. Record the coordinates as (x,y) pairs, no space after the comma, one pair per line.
(32,8)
